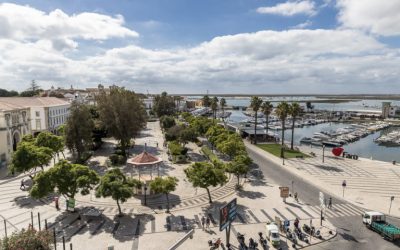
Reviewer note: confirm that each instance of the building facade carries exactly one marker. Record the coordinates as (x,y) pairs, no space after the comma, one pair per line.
(14,124)
(389,111)
(20,116)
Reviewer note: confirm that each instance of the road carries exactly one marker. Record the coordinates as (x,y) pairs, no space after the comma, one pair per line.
(352,234)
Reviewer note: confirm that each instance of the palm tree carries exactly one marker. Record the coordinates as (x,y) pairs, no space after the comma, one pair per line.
(294,111)
(222,104)
(266,108)
(255,105)
(206,101)
(282,111)
(214,106)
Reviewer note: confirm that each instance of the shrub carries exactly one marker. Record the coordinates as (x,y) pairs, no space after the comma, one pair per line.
(28,239)
(113,158)
(209,154)
(167,122)
(176,149)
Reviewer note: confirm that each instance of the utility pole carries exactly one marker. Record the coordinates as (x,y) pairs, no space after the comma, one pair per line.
(391,200)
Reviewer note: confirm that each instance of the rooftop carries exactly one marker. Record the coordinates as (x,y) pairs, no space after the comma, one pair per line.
(10,103)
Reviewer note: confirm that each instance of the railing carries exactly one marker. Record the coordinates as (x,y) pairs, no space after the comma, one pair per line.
(181,240)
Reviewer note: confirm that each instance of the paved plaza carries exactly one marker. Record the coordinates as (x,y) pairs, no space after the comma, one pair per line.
(369,183)
(149,227)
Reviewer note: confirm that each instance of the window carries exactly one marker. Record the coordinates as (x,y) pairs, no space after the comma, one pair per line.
(38,124)
(37,113)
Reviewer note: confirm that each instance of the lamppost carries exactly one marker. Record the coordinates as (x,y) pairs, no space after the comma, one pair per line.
(145,194)
(391,200)
(292,187)
(283,155)
(323,153)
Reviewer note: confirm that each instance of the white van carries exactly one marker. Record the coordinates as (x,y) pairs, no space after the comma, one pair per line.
(272,233)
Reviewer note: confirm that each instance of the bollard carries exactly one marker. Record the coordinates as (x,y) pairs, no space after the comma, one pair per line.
(55,239)
(38,214)
(5,228)
(70,246)
(63,239)
(32,218)
(45,224)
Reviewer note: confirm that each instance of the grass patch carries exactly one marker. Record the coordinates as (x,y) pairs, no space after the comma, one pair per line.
(209,154)
(275,149)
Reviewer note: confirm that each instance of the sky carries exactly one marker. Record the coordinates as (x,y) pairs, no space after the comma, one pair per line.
(191,46)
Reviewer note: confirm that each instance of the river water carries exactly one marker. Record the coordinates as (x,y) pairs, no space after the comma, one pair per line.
(365,147)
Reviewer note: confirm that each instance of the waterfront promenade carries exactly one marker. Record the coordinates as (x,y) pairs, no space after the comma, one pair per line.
(370,184)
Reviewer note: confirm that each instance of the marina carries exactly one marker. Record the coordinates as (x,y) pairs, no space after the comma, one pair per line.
(378,140)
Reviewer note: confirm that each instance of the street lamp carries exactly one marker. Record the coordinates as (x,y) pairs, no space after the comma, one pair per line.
(283,155)
(292,187)
(145,194)
(323,153)
(391,200)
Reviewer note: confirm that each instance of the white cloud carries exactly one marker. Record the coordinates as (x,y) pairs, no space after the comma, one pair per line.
(306,24)
(24,23)
(270,61)
(375,16)
(290,8)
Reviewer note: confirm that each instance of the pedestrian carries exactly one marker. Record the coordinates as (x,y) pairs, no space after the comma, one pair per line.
(56,203)
(157,144)
(296,223)
(22,187)
(203,221)
(330,202)
(208,221)
(295,197)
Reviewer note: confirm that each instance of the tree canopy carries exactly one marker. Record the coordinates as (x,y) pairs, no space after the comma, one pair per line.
(123,114)
(206,101)
(6,93)
(116,185)
(282,111)
(267,108)
(164,105)
(165,186)
(29,156)
(205,175)
(52,141)
(255,105)
(78,129)
(68,179)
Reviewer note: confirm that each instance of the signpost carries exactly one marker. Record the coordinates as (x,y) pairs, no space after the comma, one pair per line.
(322,205)
(71,204)
(391,200)
(284,193)
(227,214)
(344,184)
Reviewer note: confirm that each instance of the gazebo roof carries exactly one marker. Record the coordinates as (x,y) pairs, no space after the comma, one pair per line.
(144,158)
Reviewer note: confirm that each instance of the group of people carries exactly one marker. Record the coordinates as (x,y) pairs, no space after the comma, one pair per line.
(205,223)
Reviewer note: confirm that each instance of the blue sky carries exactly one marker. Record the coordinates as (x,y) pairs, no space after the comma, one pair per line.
(237,46)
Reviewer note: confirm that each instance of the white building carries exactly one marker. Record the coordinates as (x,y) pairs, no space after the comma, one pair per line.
(28,115)
(14,124)
(389,111)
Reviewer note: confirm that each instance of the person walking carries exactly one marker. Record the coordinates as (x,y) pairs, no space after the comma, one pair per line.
(295,197)
(330,202)
(22,187)
(203,222)
(208,222)
(56,203)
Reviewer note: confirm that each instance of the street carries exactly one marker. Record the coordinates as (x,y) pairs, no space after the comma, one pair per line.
(352,234)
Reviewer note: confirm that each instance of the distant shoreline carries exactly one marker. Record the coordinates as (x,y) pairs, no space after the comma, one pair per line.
(350,97)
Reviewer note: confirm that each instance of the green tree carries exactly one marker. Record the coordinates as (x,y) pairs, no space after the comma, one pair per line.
(164,186)
(28,156)
(123,114)
(255,104)
(294,111)
(231,146)
(266,108)
(6,93)
(33,90)
(214,106)
(68,179)
(116,185)
(204,175)
(28,239)
(78,130)
(237,169)
(206,101)
(201,124)
(164,105)
(52,141)
(187,134)
(222,104)
(167,121)
(282,111)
